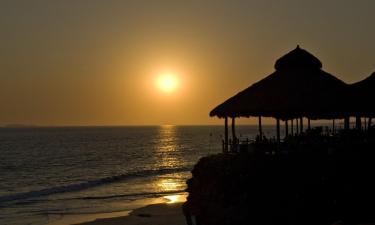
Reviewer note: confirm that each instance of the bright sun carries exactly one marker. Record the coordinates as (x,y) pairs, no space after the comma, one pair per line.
(167,82)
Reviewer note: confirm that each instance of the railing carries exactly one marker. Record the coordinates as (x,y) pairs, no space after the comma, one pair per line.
(307,140)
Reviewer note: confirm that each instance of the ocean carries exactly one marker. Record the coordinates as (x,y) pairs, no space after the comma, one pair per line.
(47,174)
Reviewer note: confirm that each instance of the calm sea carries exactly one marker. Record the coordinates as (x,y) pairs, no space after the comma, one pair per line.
(47,173)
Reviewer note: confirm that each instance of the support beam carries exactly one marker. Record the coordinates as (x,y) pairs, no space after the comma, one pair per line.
(301,124)
(358,123)
(346,123)
(260,128)
(297,129)
(369,122)
(333,126)
(286,129)
(226,136)
(308,124)
(278,130)
(233,131)
(292,127)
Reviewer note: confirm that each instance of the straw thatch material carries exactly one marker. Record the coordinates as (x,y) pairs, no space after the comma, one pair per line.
(361,97)
(298,58)
(297,88)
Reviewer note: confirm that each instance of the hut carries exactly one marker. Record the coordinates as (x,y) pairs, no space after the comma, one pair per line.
(298,88)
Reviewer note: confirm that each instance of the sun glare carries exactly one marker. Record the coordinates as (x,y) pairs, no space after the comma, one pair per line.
(175,198)
(167,82)
(171,198)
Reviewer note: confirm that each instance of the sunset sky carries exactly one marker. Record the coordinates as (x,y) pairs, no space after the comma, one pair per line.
(163,62)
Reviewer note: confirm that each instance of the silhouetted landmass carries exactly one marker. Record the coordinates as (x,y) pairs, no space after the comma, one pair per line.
(313,180)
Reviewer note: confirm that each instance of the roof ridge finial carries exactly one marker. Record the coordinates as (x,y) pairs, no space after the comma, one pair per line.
(298,47)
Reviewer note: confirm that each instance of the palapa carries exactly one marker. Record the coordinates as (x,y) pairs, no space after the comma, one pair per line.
(298,88)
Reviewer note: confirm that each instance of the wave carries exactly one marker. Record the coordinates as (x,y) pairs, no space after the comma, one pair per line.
(143,194)
(89,184)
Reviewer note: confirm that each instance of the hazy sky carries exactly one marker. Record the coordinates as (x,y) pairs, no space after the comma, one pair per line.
(96,62)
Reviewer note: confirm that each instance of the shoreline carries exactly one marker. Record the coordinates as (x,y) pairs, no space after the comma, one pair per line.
(151,210)
(156,214)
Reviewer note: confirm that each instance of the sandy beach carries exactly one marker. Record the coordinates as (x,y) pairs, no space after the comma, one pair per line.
(156,214)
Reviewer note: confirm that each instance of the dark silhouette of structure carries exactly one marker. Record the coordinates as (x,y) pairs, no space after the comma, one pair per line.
(298,89)
(314,177)
(361,98)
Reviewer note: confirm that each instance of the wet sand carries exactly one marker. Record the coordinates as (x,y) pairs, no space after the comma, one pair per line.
(157,214)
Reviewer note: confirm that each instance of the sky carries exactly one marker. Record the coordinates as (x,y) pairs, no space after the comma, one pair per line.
(93,62)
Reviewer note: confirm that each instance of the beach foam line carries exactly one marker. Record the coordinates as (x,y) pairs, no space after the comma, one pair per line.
(89,184)
(143,194)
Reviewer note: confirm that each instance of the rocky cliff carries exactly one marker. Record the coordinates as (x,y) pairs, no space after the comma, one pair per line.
(299,188)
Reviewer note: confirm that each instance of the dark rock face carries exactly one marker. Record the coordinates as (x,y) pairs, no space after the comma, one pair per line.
(299,188)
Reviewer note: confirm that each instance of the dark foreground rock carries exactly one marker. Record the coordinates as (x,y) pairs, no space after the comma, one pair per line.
(297,188)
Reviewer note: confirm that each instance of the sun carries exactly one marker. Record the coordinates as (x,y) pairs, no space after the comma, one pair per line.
(167,82)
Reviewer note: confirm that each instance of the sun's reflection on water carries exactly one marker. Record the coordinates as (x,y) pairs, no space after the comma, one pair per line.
(166,148)
(168,184)
(175,198)
(168,155)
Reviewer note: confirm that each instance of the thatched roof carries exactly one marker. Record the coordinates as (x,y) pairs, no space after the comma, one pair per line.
(362,100)
(298,58)
(297,88)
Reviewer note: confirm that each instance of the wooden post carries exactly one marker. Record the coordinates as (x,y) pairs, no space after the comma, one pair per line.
(346,123)
(292,127)
(278,130)
(286,128)
(260,128)
(226,136)
(297,129)
(308,124)
(365,124)
(333,126)
(369,122)
(358,123)
(233,130)
(301,124)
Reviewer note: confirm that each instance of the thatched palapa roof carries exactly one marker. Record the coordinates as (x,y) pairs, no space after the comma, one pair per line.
(298,87)
(362,100)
